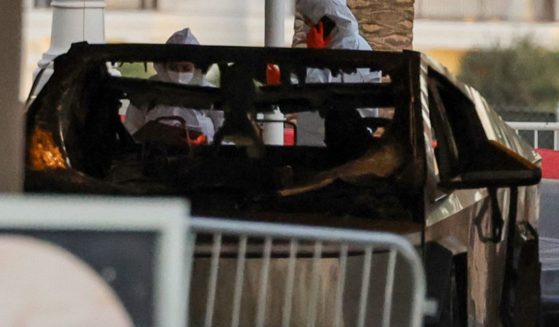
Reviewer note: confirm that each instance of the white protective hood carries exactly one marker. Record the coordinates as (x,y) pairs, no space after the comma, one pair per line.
(186,37)
(203,121)
(346,34)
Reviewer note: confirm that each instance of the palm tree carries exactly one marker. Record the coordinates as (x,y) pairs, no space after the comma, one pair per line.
(387,25)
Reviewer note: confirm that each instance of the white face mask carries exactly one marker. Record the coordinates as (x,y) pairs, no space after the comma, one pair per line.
(182,78)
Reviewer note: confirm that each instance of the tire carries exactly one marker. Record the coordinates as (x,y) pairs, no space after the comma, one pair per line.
(455,312)
(447,284)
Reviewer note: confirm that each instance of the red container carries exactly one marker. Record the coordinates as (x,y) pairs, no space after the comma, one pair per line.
(289,136)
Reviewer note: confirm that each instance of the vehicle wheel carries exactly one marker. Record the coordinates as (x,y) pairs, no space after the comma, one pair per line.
(454,313)
(447,284)
(521,298)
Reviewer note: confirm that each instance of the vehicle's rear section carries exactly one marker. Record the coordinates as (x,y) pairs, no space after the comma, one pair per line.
(361,164)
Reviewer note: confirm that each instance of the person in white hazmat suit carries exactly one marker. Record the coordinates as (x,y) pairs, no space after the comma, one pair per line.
(199,122)
(330,24)
(343,34)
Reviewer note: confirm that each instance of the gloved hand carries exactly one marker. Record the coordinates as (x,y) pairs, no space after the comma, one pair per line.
(315,37)
(273,76)
(196,138)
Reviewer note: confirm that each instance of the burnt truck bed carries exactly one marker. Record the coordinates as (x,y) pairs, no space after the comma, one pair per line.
(83,147)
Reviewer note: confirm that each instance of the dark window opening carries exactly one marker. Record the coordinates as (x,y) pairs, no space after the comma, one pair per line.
(457,129)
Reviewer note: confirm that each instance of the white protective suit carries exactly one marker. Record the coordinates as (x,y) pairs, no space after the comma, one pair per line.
(201,121)
(344,36)
(311,128)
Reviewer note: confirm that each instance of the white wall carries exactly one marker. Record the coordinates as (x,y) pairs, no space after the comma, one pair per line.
(508,10)
(11,113)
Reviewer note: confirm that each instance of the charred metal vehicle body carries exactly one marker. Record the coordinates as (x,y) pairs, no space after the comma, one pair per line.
(432,162)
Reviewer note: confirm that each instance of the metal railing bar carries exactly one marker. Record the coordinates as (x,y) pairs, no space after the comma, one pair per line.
(419,289)
(239,279)
(188,254)
(340,286)
(212,280)
(315,233)
(535,128)
(261,307)
(281,250)
(367,262)
(540,126)
(315,284)
(289,283)
(387,309)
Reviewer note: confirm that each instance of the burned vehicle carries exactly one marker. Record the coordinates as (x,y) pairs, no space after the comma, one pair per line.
(430,160)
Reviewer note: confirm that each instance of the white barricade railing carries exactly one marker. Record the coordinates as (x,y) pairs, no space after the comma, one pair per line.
(261,274)
(535,128)
(247,273)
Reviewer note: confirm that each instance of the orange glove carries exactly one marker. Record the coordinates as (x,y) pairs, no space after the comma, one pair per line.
(315,37)
(197,140)
(273,75)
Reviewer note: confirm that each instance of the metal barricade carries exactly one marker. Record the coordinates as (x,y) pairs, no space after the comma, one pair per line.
(536,128)
(262,274)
